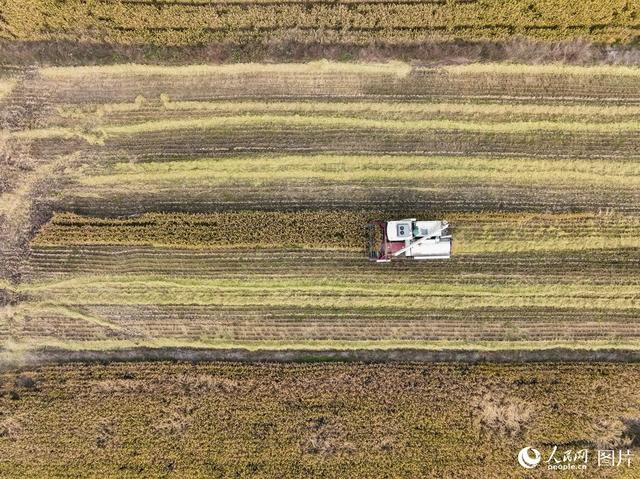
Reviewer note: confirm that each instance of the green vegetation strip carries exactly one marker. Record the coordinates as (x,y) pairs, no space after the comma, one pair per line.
(493,112)
(405,108)
(99,135)
(332,122)
(328,292)
(263,169)
(13,350)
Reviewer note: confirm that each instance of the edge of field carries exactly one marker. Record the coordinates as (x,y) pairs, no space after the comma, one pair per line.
(518,48)
(423,353)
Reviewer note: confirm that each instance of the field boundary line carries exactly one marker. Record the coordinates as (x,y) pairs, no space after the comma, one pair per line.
(43,356)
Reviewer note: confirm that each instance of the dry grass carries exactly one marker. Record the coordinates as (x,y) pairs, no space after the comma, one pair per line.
(541,69)
(323,438)
(5,87)
(502,415)
(10,428)
(320,67)
(616,433)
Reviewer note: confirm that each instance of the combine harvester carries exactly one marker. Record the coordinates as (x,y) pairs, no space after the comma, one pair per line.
(409,239)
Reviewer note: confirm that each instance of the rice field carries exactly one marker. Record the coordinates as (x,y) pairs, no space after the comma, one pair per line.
(192,22)
(225,206)
(219,420)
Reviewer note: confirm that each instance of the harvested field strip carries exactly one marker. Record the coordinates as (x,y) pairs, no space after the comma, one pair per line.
(258,170)
(193,143)
(303,259)
(147,109)
(385,107)
(604,86)
(190,326)
(321,122)
(180,23)
(346,123)
(46,320)
(588,267)
(443,197)
(126,290)
(192,322)
(294,133)
(120,93)
(474,232)
(269,139)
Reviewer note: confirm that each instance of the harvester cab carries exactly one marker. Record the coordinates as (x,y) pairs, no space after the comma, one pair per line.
(409,238)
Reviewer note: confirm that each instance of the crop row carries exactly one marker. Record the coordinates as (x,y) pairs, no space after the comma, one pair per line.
(60,327)
(151,141)
(355,169)
(319,229)
(327,292)
(586,267)
(329,122)
(475,232)
(255,322)
(364,178)
(143,110)
(124,200)
(195,141)
(261,325)
(184,24)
